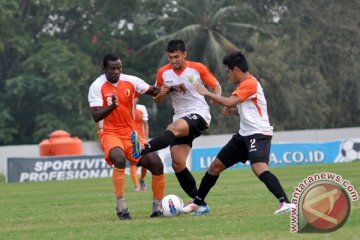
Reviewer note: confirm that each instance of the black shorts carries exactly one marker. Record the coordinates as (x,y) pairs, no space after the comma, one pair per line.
(197,125)
(255,148)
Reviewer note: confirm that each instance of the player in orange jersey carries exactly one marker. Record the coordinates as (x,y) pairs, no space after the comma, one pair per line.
(142,128)
(111,98)
(192,113)
(253,140)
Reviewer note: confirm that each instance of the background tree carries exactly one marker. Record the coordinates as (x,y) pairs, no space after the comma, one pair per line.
(211,29)
(305,53)
(311,64)
(48,61)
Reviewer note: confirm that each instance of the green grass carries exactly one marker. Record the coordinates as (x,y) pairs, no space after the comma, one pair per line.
(242,208)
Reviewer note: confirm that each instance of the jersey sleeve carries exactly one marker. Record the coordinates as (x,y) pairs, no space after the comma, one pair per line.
(159,79)
(94,96)
(206,76)
(140,85)
(246,90)
(145,115)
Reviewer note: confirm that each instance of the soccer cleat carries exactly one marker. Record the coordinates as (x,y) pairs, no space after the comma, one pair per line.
(143,185)
(191,207)
(136,189)
(136,153)
(124,215)
(284,208)
(202,210)
(157,213)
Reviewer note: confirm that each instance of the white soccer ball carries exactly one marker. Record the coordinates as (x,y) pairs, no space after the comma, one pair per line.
(171,205)
(350,150)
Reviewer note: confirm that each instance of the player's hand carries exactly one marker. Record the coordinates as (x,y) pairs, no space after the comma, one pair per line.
(163,91)
(227,111)
(200,89)
(115,100)
(179,88)
(213,102)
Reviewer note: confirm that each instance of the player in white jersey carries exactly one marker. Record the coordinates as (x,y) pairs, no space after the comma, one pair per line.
(192,114)
(253,140)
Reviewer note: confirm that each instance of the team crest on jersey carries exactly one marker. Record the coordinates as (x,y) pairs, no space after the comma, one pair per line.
(127,92)
(191,78)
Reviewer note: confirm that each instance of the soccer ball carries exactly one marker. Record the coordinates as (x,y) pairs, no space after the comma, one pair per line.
(350,150)
(171,205)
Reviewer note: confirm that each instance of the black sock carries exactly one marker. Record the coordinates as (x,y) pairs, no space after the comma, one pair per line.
(160,142)
(187,182)
(274,186)
(207,182)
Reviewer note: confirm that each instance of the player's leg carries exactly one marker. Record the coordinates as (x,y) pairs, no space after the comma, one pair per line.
(113,148)
(262,171)
(153,163)
(180,150)
(143,185)
(198,206)
(179,128)
(259,152)
(117,156)
(179,154)
(134,178)
(233,152)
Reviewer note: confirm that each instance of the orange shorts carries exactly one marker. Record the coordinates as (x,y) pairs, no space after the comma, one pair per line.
(108,142)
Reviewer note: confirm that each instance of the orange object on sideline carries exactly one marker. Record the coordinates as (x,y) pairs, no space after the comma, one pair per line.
(60,143)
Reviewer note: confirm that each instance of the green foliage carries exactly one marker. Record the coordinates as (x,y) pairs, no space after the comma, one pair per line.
(207,28)
(47,69)
(305,53)
(57,86)
(8,132)
(242,208)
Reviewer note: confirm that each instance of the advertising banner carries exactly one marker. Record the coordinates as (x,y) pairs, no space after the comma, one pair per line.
(56,168)
(285,154)
(67,168)
(82,167)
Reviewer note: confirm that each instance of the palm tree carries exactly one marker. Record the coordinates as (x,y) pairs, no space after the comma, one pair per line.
(210,28)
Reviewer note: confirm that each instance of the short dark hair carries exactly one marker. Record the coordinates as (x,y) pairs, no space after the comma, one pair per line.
(236,59)
(175,45)
(110,57)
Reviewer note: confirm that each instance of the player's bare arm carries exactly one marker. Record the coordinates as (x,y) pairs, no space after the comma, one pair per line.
(179,88)
(230,111)
(225,101)
(217,90)
(160,96)
(165,89)
(153,91)
(99,113)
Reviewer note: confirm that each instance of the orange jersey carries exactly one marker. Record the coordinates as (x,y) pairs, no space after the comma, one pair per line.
(121,121)
(191,101)
(141,115)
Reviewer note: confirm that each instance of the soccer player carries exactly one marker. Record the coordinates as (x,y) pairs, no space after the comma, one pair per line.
(111,98)
(142,128)
(192,115)
(253,140)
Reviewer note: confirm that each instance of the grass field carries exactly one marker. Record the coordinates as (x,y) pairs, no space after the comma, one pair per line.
(242,208)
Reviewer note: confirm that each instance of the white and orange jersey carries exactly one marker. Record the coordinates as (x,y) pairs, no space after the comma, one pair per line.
(140,116)
(121,121)
(191,101)
(254,118)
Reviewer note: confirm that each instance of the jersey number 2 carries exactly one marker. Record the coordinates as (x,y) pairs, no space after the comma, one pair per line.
(252,143)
